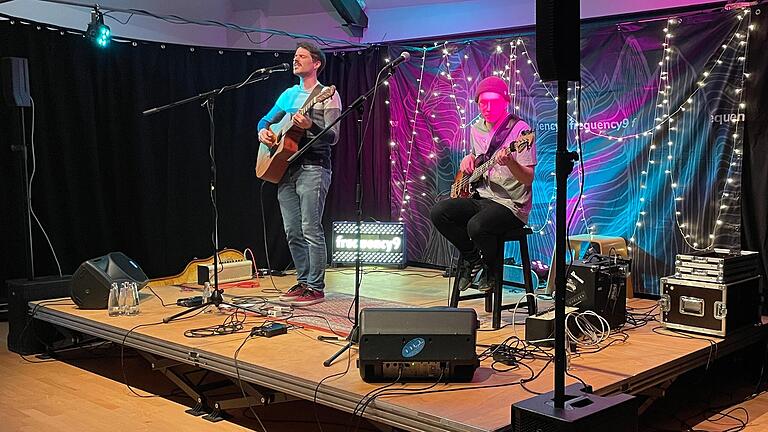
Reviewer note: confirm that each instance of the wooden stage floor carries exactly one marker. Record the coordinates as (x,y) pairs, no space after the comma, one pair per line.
(292,363)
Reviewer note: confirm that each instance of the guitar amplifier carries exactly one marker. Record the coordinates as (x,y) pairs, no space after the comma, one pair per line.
(709,308)
(233,271)
(417,344)
(599,285)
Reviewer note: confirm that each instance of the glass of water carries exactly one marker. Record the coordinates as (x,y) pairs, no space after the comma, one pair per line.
(124,294)
(113,304)
(132,299)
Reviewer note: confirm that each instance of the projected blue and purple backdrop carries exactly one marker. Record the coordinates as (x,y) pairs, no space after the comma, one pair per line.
(658,116)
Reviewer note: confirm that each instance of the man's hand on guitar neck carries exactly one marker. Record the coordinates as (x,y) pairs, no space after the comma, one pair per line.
(267,137)
(301,121)
(468,164)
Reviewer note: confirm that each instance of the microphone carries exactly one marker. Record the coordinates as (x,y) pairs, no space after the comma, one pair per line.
(283,67)
(404,56)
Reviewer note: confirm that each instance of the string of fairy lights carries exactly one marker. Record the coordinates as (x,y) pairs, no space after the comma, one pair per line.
(512,74)
(666,119)
(665,124)
(406,170)
(453,77)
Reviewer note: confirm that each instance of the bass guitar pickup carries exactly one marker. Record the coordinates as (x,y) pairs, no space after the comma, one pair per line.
(233,271)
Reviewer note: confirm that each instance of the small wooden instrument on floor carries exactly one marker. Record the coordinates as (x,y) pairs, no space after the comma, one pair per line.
(271,163)
(464,184)
(190,273)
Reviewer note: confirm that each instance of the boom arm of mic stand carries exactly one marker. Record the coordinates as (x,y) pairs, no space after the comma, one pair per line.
(206,95)
(354,105)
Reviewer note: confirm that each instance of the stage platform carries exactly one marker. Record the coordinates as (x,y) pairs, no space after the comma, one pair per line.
(292,363)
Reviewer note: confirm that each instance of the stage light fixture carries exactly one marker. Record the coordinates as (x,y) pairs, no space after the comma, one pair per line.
(98,32)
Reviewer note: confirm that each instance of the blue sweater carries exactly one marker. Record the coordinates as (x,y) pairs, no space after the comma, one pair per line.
(322,114)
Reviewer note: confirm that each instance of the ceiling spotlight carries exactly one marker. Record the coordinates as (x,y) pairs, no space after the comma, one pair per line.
(98,32)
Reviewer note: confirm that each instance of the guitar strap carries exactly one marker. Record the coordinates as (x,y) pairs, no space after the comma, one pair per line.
(499,137)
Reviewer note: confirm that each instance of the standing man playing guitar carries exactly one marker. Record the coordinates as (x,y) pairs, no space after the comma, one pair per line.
(502,197)
(303,188)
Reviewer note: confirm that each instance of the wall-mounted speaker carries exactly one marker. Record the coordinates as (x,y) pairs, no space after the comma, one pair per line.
(90,284)
(558,41)
(14,80)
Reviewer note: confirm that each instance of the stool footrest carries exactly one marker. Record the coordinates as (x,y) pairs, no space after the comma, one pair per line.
(511,306)
(472,296)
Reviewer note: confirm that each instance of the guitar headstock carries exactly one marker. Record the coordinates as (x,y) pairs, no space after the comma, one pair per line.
(524,141)
(325,93)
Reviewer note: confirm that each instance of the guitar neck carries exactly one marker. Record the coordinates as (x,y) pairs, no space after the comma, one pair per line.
(482,169)
(490,163)
(306,108)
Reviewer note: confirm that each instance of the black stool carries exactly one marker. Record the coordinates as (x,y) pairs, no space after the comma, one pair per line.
(493,299)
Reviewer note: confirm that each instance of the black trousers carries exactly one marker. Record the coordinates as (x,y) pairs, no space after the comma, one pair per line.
(473,224)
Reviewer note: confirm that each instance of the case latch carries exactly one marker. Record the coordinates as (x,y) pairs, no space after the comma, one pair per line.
(664,303)
(720,310)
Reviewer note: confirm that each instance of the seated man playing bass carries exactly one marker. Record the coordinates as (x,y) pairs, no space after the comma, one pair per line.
(504,156)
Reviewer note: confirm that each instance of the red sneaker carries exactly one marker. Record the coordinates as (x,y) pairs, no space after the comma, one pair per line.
(293,292)
(308,297)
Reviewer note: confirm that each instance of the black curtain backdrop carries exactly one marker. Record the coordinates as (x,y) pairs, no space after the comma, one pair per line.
(108,179)
(754,181)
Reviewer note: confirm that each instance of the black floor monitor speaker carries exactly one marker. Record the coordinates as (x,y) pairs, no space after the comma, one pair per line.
(14,79)
(417,344)
(25,334)
(92,280)
(558,41)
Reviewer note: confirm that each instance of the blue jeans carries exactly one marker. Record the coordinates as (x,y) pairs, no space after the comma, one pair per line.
(302,193)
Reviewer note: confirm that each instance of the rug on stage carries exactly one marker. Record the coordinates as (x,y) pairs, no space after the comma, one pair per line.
(334,314)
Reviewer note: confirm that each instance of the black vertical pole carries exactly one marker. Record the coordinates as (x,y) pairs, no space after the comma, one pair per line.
(215,293)
(359,220)
(563,164)
(27,207)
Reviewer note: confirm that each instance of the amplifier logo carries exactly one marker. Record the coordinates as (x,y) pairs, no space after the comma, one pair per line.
(413,347)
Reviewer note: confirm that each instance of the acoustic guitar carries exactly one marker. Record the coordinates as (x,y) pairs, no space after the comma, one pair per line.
(189,274)
(272,162)
(464,184)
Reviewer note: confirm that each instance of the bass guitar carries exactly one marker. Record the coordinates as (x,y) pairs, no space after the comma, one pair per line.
(272,162)
(464,184)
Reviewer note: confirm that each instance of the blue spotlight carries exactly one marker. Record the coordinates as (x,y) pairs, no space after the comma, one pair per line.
(98,32)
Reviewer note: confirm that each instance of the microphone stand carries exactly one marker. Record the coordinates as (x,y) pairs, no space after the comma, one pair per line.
(209,99)
(357,105)
(564,160)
